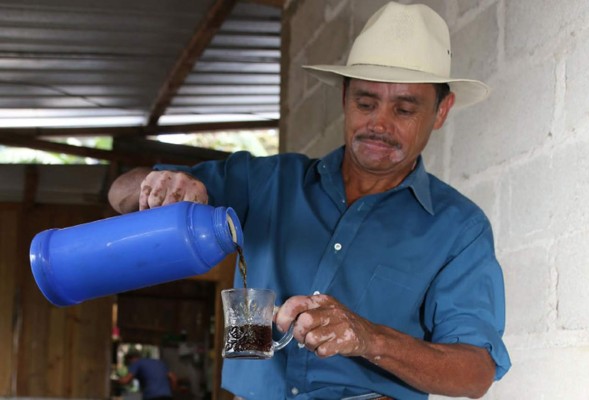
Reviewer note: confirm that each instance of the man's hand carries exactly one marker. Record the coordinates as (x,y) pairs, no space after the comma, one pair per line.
(325,326)
(166,187)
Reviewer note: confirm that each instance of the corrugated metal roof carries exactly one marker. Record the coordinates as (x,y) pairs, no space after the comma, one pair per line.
(86,63)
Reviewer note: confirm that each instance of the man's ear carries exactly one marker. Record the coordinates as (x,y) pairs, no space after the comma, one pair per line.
(443,110)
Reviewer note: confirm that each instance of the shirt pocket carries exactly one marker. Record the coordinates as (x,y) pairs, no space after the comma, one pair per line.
(393,297)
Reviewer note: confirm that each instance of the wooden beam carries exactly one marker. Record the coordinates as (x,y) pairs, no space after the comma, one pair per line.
(271,3)
(149,153)
(31,185)
(201,38)
(140,130)
(166,152)
(45,145)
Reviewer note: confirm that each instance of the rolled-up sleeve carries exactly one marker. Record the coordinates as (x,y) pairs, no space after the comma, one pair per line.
(466,302)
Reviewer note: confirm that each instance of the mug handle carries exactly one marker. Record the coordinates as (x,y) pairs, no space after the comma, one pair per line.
(286,338)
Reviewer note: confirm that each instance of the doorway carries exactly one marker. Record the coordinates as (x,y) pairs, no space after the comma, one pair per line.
(173,322)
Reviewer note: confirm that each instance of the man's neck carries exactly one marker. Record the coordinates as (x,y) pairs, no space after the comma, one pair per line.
(360,183)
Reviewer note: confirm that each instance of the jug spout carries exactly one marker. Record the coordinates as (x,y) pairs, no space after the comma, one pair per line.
(227,229)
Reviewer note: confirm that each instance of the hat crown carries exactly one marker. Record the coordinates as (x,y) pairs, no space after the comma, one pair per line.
(412,37)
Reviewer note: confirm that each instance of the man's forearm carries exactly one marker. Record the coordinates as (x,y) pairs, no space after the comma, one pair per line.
(325,326)
(458,370)
(124,192)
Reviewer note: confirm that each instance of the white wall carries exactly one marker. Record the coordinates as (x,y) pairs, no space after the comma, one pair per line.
(523,156)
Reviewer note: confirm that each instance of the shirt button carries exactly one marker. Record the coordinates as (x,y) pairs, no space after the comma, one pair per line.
(294,391)
(337,246)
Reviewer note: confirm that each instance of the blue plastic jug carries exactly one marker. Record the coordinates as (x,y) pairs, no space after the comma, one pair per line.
(132,251)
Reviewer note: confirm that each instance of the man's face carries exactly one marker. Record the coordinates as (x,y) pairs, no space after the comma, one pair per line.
(387,125)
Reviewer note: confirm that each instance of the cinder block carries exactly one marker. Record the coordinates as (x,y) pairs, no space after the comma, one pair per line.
(531,25)
(572,264)
(332,44)
(476,59)
(439,6)
(528,290)
(577,83)
(570,191)
(434,154)
(507,124)
(528,215)
(486,196)
(306,121)
(361,11)
(465,6)
(333,8)
(297,78)
(547,374)
(332,137)
(306,21)
(333,103)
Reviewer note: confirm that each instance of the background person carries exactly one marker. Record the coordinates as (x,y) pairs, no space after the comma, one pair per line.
(156,381)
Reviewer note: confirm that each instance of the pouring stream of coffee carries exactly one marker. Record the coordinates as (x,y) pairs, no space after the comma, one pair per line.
(243,271)
(242,266)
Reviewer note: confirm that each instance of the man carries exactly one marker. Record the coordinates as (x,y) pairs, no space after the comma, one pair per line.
(156,381)
(388,274)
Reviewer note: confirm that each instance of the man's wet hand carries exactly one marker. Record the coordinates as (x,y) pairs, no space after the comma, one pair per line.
(166,187)
(325,326)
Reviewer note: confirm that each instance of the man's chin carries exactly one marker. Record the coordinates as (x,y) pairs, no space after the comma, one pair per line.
(379,160)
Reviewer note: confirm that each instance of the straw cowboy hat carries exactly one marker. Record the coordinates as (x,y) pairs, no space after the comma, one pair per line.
(403,44)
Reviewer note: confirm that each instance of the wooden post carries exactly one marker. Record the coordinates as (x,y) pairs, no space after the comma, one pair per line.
(222,276)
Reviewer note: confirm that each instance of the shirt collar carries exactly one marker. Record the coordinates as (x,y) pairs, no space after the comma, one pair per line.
(417,181)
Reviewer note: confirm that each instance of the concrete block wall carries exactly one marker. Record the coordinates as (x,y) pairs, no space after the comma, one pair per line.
(522,155)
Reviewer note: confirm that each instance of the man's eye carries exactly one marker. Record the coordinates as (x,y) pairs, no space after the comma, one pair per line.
(404,111)
(364,106)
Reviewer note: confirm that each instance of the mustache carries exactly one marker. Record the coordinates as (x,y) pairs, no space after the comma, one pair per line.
(376,137)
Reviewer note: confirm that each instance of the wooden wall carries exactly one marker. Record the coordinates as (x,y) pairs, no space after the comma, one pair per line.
(222,276)
(48,351)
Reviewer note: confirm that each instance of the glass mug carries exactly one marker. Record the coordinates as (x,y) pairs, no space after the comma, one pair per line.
(248,315)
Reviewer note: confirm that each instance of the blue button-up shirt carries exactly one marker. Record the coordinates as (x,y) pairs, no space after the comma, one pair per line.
(418,258)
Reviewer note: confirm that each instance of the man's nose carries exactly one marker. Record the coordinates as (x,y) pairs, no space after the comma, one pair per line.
(380,121)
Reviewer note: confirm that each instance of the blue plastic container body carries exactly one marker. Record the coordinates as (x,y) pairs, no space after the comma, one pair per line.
(132,251)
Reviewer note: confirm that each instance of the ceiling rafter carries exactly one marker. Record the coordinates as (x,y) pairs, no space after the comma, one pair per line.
(136,130)
(203,35)
(163,152)
(272,3)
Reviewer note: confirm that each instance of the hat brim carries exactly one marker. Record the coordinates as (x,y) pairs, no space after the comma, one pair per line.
(467,91)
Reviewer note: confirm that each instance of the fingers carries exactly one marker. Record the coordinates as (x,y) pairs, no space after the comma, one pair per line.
(324,326)
(294,306)
(166,187)
(322,341)
(314,330)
